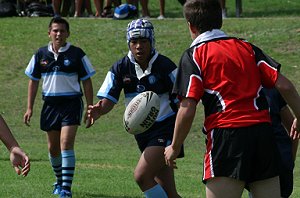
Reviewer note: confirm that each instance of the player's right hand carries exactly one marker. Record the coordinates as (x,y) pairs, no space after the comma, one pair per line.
(295,130)
(27,116)
(93,113)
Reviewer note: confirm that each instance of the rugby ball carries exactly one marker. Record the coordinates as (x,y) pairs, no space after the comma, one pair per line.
(141,112)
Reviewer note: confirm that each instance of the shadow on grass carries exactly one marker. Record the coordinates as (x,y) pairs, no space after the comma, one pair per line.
(91,195)
(272,13)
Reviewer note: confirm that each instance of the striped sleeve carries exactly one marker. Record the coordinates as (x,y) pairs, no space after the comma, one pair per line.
(188,81)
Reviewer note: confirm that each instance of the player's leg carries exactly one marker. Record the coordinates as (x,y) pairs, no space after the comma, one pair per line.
(150,163)
(55,158)
(265,188)
(50,122)
(165,178)
(224,187)
(67,140)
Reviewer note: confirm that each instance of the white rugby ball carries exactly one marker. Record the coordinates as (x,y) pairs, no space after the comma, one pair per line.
(141,112)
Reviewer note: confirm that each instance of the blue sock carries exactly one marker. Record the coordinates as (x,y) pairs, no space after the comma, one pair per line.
(68,168)
(155,192)
(56,166)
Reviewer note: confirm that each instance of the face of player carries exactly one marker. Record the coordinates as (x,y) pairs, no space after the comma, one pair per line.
(58,35)
(141,50)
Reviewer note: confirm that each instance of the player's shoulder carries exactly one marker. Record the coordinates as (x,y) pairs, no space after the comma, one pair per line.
(43,49)
(124,62)
(164,62)
(164,58)
(75,49)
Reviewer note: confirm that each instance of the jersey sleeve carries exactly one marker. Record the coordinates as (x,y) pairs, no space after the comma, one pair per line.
(268,67)
(188,81)
(86,69)
(112,85)
(33,68)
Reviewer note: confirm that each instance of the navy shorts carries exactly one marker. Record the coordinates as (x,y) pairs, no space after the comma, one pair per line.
(160,134)
(66,112)
(286,181)
(248,154)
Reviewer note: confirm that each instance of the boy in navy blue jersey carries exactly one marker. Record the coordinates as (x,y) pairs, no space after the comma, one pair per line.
(282,120)
(62,67)
(144,69)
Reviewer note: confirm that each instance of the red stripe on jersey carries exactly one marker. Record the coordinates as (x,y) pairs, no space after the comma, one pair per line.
(208,166)
(195,89)
(268,78)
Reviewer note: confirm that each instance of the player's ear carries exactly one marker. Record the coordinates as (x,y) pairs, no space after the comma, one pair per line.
(193,31)
(192,28)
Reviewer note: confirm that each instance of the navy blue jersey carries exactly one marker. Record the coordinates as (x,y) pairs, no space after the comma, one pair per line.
(62,72)
(284,142)
(126,75)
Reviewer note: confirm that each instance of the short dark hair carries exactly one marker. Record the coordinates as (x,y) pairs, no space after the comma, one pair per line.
(60,21)
(205,15)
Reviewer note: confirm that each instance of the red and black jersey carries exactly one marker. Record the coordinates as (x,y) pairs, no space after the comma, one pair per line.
(227,74)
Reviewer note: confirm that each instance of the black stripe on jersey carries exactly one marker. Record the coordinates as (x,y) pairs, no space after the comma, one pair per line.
(261,101)
(260,55)
(211,103)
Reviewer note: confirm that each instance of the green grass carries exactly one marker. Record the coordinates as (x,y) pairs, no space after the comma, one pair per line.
(106,155)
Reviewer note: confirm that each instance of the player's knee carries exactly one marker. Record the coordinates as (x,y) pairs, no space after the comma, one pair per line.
(139,177)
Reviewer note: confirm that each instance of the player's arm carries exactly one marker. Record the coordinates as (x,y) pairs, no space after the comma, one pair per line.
(88,93)
(19,159)
(291,96)
(32,91)
(287,119)
(183,124)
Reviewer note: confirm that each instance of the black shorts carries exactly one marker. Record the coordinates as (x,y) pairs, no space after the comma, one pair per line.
(55,115)
(286,181)
(248,154)
(160,134)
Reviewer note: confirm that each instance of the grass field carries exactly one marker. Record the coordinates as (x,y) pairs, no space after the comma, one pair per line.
(106,155)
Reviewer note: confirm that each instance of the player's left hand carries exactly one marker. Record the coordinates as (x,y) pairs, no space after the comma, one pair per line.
(87,120)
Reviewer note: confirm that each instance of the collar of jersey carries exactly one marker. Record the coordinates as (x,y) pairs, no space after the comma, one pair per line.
(139,72)
(62,49)
(208,35)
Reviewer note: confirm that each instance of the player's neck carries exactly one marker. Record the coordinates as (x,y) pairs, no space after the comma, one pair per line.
(56,47)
